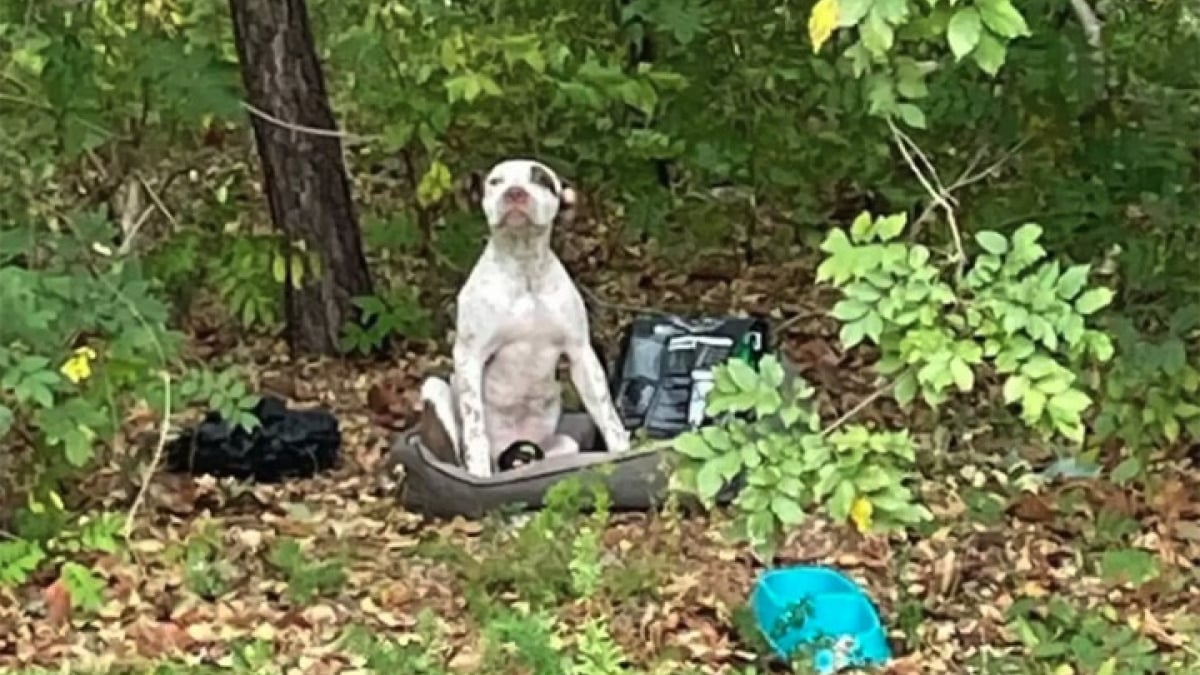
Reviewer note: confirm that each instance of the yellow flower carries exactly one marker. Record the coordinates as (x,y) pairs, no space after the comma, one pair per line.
(860,513)
(822,22)
(79,367)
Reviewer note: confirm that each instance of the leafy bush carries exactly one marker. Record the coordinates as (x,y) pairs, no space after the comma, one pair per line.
(934,326)
(788,461)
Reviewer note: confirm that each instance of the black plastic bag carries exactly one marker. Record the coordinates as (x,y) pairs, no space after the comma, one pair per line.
(286,444)
(664,368)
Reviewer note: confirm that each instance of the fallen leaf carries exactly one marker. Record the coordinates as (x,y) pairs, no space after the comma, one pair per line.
(1032,508)
(58,603)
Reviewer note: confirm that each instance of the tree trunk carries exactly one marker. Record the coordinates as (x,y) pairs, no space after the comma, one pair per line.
(303,172)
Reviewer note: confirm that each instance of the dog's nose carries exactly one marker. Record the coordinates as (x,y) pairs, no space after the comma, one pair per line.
(516,195)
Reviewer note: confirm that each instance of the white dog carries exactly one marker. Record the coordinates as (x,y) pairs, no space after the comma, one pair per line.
(518,313)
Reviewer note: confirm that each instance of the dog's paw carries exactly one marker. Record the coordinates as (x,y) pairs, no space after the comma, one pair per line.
(619,441)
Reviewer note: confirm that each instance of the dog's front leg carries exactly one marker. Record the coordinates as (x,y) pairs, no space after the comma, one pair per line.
(587,374)
(469,361)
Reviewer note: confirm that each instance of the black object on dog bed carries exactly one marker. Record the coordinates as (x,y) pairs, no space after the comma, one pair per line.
(285,444)
(636,480)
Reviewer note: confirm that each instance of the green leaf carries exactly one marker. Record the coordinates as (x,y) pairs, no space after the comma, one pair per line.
(1033,404)
(849,310)
(964,377)
(851,334)
(787,510)
(992,242)
(1015,388)
(890,227)
(717,438)
(850,12)
(862,228)
(841,500)
(1127,470)
(771,371)
(767,402)
(6,419)
(77,447)
(1040,366)
(872,478)
(1002,18)
(989,54)
(1093,301)
(963,31)
(85,588)
(1101,346)
(709,480)
(906,388)
(1072,281)
(912,115)
(877,34)
(692,445)
(742,374)
(790,414)
(1071,401)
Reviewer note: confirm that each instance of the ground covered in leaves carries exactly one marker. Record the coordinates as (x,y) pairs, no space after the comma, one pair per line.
(328,575)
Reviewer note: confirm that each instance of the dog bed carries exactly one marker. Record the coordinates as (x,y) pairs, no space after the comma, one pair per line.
(636,480)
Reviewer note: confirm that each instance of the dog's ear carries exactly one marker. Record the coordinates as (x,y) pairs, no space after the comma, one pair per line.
(568,205)
(469,190)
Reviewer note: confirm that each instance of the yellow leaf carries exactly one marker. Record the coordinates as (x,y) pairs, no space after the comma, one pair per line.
(822,22)
(860,513)
(79,366)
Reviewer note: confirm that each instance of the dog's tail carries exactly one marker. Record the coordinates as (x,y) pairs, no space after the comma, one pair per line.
(437,395)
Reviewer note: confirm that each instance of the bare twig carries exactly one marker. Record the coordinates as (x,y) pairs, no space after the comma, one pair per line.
(904,138)
(127,243)
(158,201)
(1092,27)
(969,176)
(939,196)
(858,407)
(787,323)
(163,431)
(312,131)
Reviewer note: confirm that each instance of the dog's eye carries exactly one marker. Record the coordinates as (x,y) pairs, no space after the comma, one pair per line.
(539,176)
(495,181)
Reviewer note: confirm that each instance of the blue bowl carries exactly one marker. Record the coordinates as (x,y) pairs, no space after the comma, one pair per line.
(795,606)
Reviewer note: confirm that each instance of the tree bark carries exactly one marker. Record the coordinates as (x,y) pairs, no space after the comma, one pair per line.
(304,175)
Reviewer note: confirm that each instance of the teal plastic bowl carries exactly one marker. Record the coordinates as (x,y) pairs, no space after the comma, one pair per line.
(823,609)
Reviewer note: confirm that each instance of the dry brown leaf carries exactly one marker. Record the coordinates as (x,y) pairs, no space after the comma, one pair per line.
(58,603)
(1032,508)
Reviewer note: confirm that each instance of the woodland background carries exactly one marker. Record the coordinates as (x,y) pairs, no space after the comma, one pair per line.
(723,148)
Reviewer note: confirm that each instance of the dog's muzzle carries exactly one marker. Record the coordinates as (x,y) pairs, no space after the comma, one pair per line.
(516,201)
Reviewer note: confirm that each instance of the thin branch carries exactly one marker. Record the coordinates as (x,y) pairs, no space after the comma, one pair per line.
(1092,27)
(163,431)
(158,202)
(939,197)
(859,407)
(969,177)
(312,131)
(904,138)
(787,323)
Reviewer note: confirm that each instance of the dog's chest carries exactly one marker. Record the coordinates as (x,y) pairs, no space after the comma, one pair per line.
(531,328)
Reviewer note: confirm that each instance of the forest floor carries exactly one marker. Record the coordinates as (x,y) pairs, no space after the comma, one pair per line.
(207,584)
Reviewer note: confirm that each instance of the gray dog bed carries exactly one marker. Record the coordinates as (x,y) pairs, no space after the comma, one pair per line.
(636,480)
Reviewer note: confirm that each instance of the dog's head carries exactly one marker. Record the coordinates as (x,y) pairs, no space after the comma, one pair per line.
(523,193)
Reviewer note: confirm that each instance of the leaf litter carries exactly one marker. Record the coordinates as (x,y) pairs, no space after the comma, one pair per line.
(945,592)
